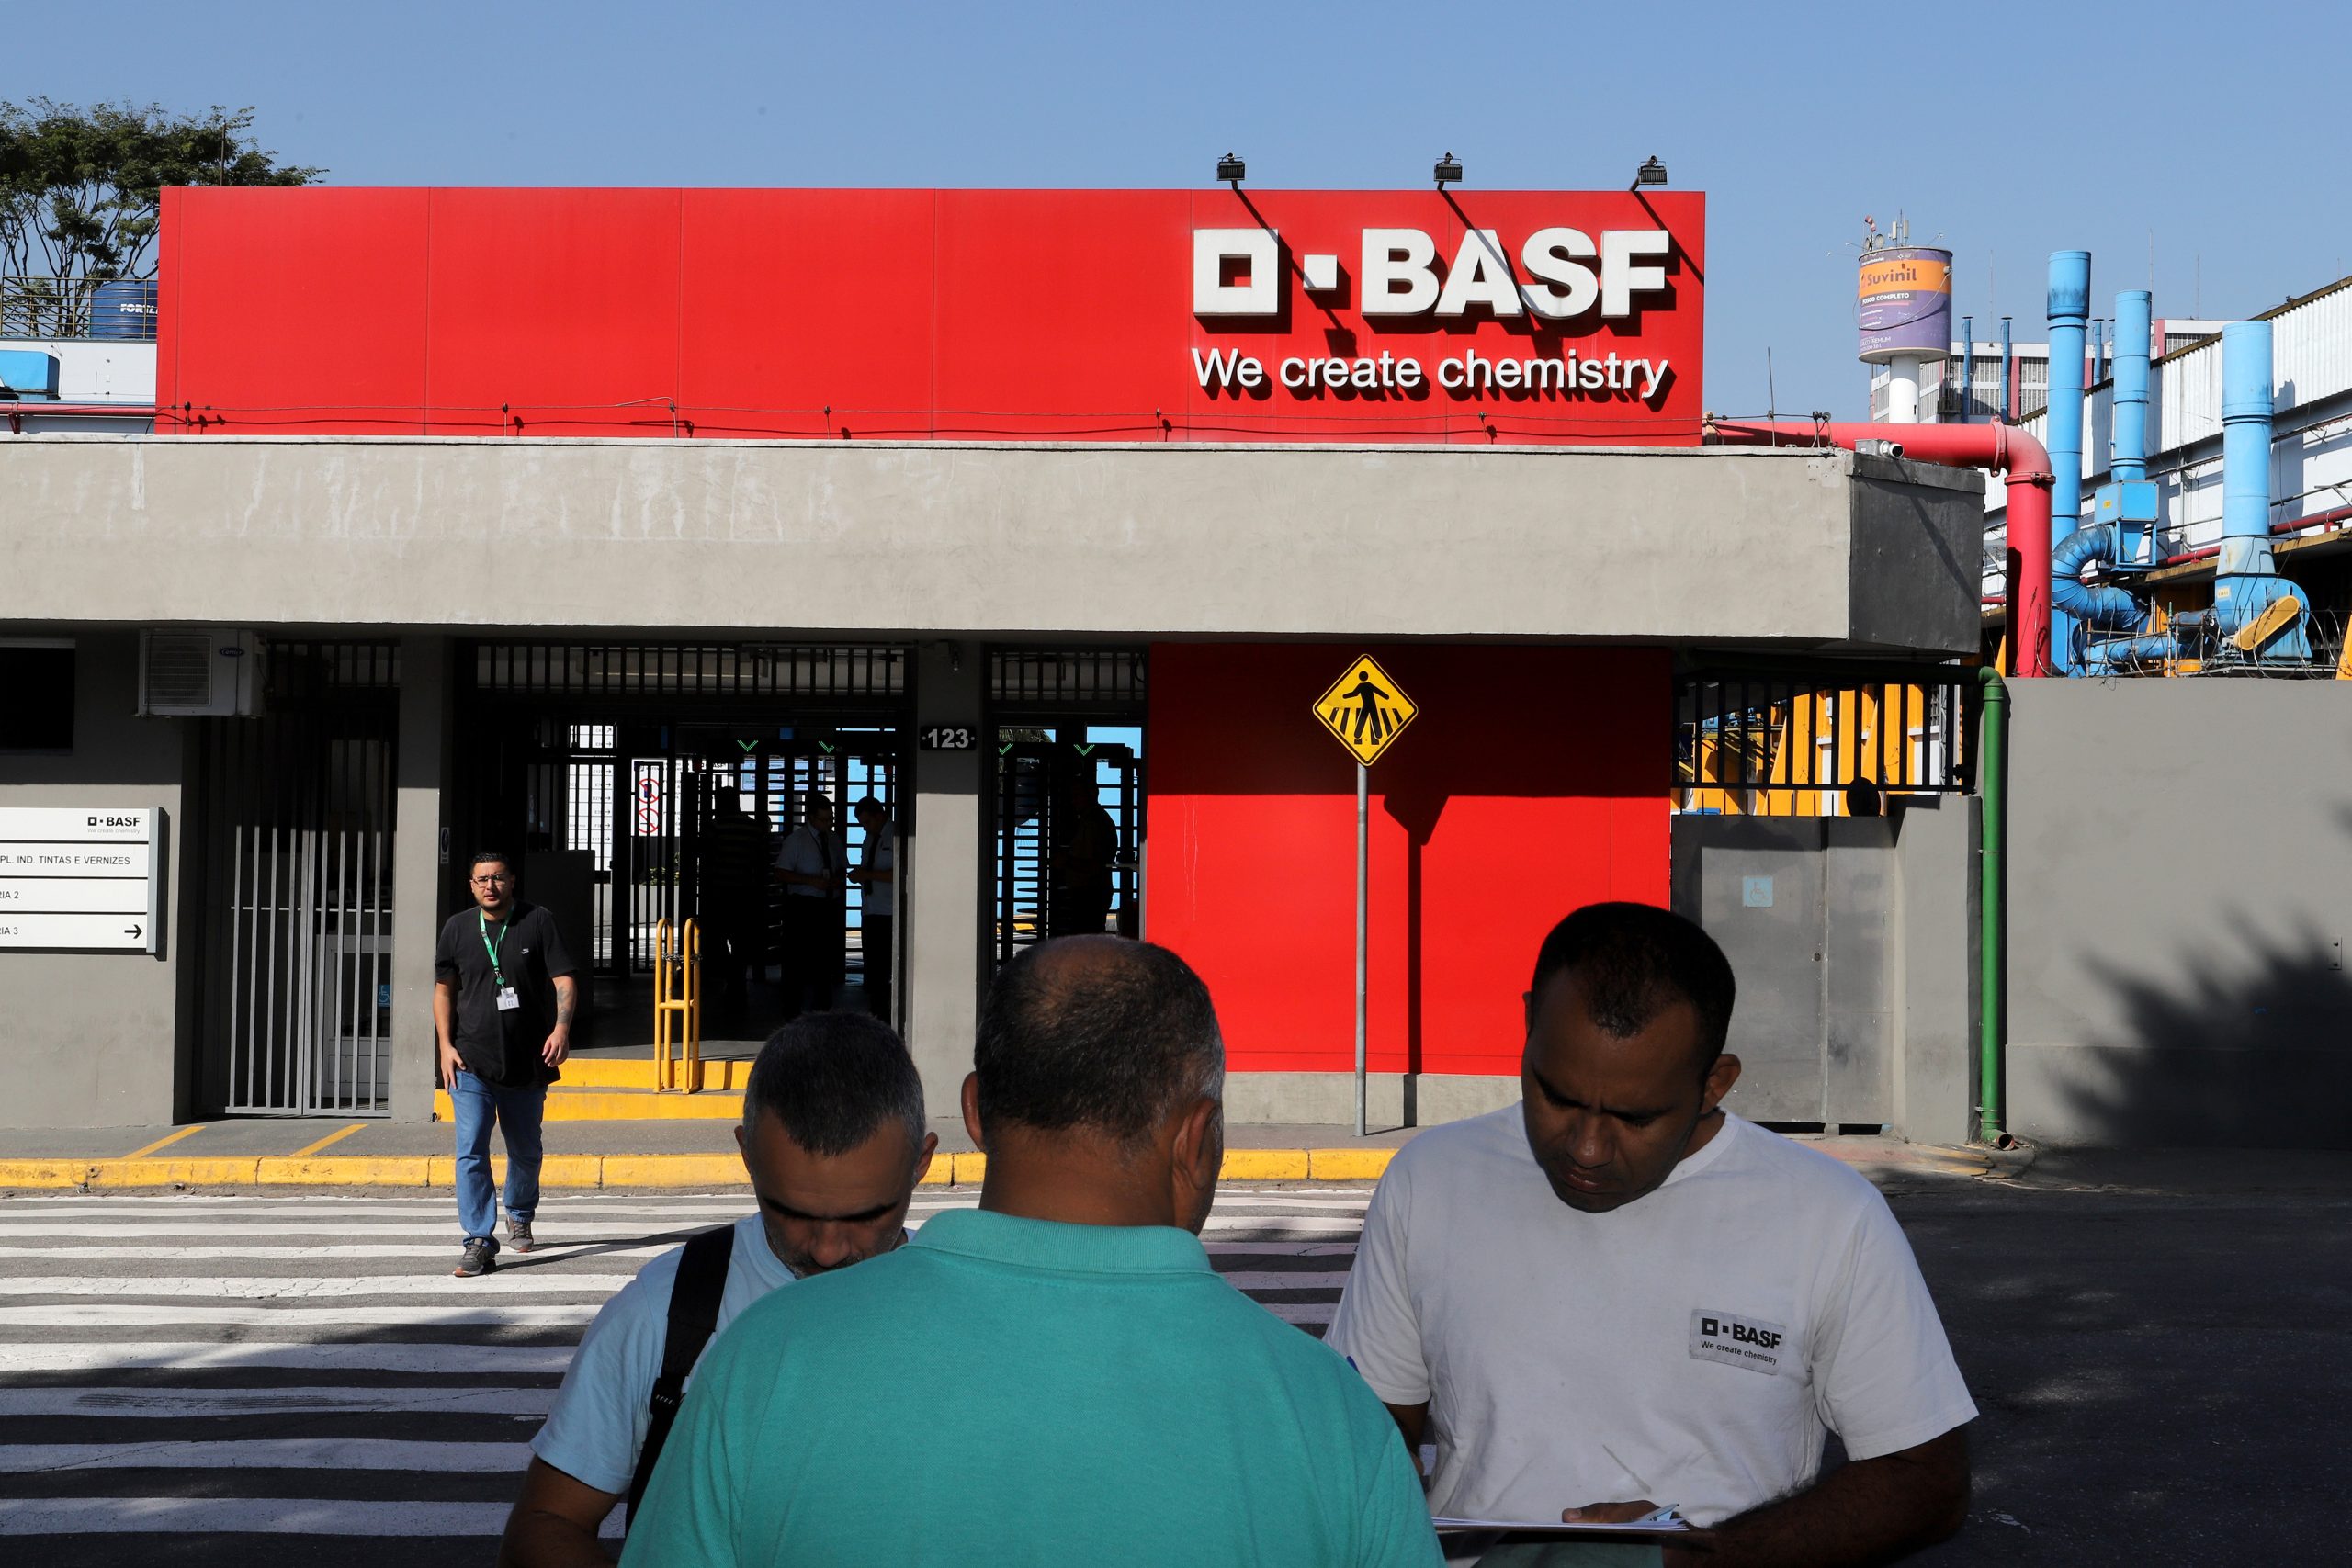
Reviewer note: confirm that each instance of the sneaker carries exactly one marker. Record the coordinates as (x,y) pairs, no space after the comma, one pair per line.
(479,1258)
(519,1234)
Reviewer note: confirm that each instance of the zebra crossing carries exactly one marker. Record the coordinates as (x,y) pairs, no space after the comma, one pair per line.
(252,1380)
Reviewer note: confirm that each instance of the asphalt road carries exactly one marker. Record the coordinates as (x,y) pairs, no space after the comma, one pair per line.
(233,1382)
(2158,1345)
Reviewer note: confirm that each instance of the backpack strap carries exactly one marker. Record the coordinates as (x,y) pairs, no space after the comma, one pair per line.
(694,1317)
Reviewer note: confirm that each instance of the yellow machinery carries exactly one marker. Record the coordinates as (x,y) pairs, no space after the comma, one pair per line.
(1874,726)
(677,1007)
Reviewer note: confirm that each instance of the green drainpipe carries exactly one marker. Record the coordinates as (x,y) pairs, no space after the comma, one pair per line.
(1992,787)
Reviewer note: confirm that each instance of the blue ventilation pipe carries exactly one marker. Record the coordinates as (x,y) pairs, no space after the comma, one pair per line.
(2009,373)
(2106,607)
(2133,312)
(1967,368)
(2069,311)
(2126,508)
(2246,579)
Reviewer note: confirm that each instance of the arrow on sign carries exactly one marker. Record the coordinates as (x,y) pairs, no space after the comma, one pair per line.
(134,930)
(1085,750)
(748,746)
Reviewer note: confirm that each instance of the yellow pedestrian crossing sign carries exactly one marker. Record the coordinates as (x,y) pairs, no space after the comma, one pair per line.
(1365,710)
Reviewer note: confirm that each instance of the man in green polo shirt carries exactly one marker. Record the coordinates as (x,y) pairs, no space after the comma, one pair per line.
(1086,1389)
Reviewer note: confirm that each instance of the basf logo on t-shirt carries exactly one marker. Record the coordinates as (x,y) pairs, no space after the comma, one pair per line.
(1737,1341)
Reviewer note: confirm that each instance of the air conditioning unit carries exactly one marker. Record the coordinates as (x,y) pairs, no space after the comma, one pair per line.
(204,673)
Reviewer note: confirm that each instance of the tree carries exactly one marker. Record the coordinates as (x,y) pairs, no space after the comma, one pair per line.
(81,192)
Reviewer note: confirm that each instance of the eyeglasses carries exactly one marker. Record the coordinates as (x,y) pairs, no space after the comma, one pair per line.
(492,880)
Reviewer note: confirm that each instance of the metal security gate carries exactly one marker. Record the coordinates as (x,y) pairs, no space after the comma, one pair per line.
(1038,785)
(774,781)
(614,753)
(1793,784)
(1786,740)
(298,883)
(1068,798)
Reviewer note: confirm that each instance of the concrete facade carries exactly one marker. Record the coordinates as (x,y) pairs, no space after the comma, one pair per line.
(1850,940)
(1678,545)
(2179,857)
(936,547)
(942,838)
(1391,1099)
(93,1039)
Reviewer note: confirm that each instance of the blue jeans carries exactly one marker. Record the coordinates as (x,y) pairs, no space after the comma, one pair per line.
(517,1112)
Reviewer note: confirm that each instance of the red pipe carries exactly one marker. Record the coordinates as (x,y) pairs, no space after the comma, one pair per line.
(2292,526)
(2007,451)
(18,408)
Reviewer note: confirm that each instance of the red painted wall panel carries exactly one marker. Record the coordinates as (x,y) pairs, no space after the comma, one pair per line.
(552,316)
(1532,780)
(759,278)
(832,313)
(267,326)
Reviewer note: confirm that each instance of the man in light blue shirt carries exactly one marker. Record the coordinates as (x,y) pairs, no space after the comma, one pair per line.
(1089,1390)
(834,1140)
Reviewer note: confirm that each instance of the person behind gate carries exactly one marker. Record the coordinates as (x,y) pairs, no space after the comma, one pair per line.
(878,875)
(834,1141)
(502,999)
(810,866)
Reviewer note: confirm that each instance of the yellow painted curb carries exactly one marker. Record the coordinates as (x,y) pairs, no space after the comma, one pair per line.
(44,1173)
(578,1170)
(1348,1165)
(173,1172)
(344,1170)
(671,1170)
(589,1171)
(555,1171)
(1263,1165)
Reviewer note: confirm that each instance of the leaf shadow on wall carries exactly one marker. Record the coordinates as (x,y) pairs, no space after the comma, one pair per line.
(2249,1048)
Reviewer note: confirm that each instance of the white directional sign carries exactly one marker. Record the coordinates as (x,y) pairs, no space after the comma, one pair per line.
(78,877)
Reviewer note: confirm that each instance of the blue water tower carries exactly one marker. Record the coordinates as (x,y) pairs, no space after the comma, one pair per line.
(123,308)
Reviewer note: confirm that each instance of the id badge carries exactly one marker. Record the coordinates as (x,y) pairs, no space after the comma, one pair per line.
(507,1000)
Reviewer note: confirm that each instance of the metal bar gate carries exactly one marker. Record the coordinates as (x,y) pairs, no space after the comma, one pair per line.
(299,885)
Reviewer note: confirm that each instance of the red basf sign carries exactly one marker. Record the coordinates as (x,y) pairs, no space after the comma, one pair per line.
(1464,316)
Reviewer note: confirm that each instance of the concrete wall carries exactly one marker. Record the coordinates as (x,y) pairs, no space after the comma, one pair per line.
(1931,1084)
(1855,1001)
(87,1040)
(1664,545)
(2180,898)
(943,836)
(1391,1099)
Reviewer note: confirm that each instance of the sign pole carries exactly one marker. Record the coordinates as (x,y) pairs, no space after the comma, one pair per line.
(1364,826)
(1364,711)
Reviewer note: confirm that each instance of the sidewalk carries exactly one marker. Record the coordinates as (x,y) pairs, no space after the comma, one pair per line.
(344,1152)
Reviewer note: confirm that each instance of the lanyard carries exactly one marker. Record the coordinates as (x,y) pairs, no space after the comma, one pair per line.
(496,973)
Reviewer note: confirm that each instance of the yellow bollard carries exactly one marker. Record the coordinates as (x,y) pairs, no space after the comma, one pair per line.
(677,1008)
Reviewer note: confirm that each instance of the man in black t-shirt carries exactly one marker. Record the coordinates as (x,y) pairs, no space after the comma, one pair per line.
(502,999)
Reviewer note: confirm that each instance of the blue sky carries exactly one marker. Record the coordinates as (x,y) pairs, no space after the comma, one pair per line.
(2005,131)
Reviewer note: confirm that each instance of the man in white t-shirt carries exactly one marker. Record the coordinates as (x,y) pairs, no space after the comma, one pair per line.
(1618,1296)
(834,1141)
